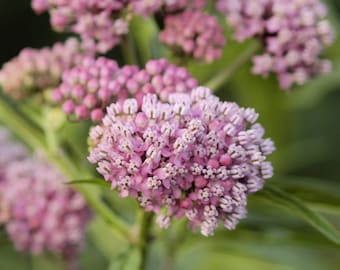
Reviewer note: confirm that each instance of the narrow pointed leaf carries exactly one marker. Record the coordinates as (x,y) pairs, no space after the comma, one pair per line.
(284,199)
(94,181)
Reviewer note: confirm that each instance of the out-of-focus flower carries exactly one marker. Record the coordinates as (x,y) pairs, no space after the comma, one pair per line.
(10,152)
(195,34)
(43,214)
(33,71)
(100,23)
(193,156)
(89,88)
(294,33)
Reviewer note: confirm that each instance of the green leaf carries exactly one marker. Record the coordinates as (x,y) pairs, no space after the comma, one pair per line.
(274,248)
(109,245)
(94,181)
(91,256)
(145,35)
(311,190)
(47,262)
(129,260)
(117,263)
(282,198)
(19,124)
(10,259)
(202,257)
(133,260)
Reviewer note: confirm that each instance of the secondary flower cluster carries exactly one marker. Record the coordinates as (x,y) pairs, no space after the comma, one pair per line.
(39,212)
(294,33)
(195,34)
(189,31)
(193,156)
(100,23)
(35,70)
(89,88)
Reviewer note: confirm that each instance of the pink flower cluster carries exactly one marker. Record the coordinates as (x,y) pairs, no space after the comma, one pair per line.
(100,23)
(195,34)
(39,213)
(36,70)
(193,156)
(43,215)
(294,33)
(89,88)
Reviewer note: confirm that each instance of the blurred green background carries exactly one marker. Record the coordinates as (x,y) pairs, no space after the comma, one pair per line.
(304,125)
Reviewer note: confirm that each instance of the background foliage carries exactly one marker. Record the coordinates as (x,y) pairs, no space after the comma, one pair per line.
(304,125)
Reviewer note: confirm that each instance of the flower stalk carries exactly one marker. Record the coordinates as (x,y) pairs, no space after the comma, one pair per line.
(224,75)
(144,220)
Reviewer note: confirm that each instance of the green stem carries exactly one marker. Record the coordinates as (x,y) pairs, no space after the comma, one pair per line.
(144,220)
(118,226)
(173,241)
(20,126)
(34,115)
(221,78)
(52,140)
(34,138)
(129,50)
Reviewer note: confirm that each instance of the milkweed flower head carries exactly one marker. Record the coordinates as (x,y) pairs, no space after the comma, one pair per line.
(193,156)
(195,34)
(294,34)
(101,24)
(35,70)
(44,215)
(89,88)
